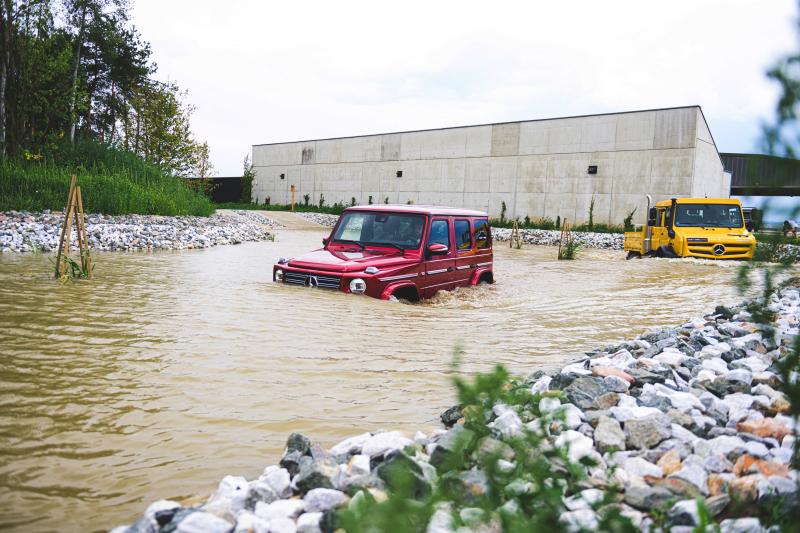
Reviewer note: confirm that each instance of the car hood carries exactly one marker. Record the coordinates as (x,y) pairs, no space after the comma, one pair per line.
(337,261)
(712,234)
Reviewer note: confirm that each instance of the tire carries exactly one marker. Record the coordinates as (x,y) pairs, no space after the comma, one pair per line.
(633,255)
(666,251)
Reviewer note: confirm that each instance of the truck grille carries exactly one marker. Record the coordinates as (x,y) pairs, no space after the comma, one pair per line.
(731,250)
(311,280)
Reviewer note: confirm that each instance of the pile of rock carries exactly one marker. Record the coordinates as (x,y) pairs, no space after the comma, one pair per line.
(676,415)
(608,241)
(28,232)
(321,218)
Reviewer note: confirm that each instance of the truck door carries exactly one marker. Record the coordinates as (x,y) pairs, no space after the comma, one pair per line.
(659,234)
(439,267)
(465,251)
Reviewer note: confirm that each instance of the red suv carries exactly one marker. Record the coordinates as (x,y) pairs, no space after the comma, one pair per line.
(391,252)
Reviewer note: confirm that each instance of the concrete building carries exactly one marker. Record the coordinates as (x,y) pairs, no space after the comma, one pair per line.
(539,168)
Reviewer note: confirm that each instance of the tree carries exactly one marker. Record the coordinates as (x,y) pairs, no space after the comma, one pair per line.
(156,127)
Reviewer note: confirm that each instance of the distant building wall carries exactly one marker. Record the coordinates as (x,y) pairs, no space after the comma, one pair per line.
(538,168)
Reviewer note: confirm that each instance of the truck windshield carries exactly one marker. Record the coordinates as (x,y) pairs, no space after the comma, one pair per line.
(380,229)
(708,215)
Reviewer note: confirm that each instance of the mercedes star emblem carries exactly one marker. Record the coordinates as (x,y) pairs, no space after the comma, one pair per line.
(718,249)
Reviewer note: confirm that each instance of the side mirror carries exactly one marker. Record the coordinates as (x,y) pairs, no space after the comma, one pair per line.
(651,217)
(325,241)
(438,249)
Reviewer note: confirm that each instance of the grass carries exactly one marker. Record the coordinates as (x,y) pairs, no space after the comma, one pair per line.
(335,209)
(548,224)
(112,182)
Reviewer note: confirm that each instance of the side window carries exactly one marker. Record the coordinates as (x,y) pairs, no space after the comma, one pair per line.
(668,217)
(482,236)
(440,233)
(463,235)
(660,218)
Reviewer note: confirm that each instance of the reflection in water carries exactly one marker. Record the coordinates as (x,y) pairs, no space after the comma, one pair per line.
(172,369)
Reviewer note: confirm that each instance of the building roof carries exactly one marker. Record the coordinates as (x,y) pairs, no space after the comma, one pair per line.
(419,209)
(489,124)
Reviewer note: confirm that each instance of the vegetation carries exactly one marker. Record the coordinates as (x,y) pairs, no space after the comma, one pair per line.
(547,223)
(590,224)
(627,223)
(112,181)
(335,209)
(569,250)
(248,175)
(77,95)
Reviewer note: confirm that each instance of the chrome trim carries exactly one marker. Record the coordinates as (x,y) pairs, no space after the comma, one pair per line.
(484,264)
(463,267)
(438,271)
(403,276)
(310,280)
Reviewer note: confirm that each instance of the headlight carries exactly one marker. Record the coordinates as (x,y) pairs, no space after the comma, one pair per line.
(279,274)
(358,286)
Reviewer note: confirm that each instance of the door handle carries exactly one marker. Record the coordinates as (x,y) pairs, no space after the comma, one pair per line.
(449,269)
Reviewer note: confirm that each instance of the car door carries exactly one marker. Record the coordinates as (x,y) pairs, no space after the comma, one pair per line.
(439,267)
(465,251)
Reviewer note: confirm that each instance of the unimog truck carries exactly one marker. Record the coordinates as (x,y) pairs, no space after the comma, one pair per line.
(710,228)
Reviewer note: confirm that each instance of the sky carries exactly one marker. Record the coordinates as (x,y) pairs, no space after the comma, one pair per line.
(265,71)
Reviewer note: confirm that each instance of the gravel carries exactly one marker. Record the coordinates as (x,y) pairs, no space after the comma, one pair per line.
(32,232)
(672,436)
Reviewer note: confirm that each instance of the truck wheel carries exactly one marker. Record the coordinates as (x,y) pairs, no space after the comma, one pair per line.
(633,255)
(666,251)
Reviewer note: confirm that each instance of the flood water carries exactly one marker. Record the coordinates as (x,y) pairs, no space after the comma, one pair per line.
(169,370)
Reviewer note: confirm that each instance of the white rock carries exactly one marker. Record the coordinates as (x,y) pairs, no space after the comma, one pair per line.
(624,414)
(584,499)
(230,495)
(203,522)
(247,522)
(320,500)
(309,523)
(723,445)
(616,384)
(280,509)
(579,445)
(282,525)
(351,445)
(278,480)
(548,405)
(636,466)
(359,465)
(508,423)
(541,385)
(756,449)
(384,442)
(740,525)
(672,358)
(581,520)
(716,365)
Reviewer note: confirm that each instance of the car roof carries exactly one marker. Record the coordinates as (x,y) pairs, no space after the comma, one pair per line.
(420,209)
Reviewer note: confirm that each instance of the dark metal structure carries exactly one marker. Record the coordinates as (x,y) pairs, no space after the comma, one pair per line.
(762,175)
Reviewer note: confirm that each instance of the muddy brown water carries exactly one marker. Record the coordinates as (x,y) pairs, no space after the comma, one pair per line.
(170,370)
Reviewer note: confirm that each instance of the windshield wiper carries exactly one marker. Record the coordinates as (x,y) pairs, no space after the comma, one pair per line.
(393,245)
(344,241)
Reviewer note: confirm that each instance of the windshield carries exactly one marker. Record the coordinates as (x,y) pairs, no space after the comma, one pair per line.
(709,215)
(388,229)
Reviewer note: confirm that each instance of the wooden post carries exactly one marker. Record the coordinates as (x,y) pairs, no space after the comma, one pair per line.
(83,238)
(65,231)
(73,213)
(293,189)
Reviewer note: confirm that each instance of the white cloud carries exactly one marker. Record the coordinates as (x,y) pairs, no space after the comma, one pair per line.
(273,71)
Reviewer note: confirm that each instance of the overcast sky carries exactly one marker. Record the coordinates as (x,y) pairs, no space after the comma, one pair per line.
(263,72)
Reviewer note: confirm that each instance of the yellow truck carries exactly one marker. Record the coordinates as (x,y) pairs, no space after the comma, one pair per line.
(711,228)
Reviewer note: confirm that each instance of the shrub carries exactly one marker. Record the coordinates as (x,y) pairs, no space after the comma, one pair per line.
(627,223)
(306,199)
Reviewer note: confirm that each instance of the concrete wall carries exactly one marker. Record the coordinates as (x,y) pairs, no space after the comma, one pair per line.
(538,168)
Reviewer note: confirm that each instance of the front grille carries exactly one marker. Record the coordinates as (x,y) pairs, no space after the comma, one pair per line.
(731,250)
(311,280)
